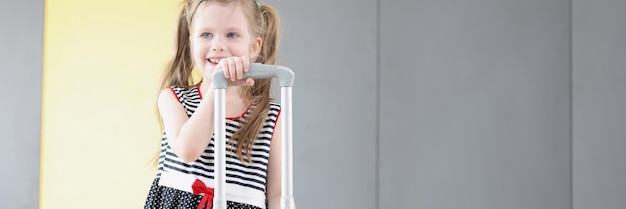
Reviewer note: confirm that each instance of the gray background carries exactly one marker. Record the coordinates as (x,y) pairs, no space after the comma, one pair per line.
(411,104)
(21,57)
(599,104)
(475,104)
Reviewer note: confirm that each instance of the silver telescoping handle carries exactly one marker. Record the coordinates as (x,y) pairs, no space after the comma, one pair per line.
(285,77)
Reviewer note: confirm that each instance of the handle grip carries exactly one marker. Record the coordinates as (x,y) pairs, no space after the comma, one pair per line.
(285,75)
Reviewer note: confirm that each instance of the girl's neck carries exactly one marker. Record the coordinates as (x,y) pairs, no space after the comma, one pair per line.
(234,102)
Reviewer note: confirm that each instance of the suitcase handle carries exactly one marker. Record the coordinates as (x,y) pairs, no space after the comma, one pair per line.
(284,75)
(257,70)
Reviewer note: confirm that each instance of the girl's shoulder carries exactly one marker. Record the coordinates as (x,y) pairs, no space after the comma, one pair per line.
(184,93)
(181,89)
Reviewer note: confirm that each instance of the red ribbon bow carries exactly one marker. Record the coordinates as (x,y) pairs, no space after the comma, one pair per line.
(200,188)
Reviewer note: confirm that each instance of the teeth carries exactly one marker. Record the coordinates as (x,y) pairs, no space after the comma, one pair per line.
(213,60)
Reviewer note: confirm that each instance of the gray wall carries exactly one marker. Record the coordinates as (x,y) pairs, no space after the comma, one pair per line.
(471,101)
(475,104)
(21,49)
(331,46)
(599,103)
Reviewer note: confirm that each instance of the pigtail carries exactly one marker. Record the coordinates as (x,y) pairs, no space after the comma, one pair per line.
(268,28)
(178,71)
(270,33)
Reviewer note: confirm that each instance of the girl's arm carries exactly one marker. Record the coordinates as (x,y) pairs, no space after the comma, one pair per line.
(188,136)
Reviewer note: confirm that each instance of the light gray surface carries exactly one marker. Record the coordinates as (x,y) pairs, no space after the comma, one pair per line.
(21,49)
(599,51)
(330,45)
(475,104)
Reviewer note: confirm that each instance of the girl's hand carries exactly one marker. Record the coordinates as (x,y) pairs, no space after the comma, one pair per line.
(234,67)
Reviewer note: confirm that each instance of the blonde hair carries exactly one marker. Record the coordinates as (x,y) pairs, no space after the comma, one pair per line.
(264,22)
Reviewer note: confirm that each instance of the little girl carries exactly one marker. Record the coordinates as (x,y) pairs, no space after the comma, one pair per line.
(227,34)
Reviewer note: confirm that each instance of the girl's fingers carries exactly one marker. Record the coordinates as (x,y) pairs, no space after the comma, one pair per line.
(232,69)
(246,63)
(221,65)
(246,82)
(238,67)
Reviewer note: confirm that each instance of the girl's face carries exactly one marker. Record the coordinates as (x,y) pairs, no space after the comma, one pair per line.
(220,31)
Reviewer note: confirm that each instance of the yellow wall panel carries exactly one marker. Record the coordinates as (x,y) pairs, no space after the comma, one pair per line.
(102,63)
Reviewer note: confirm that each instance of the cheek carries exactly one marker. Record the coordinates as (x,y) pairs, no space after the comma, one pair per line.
(198,50)
(242,49)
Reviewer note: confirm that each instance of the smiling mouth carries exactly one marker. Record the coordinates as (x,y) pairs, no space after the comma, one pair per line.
(214,60)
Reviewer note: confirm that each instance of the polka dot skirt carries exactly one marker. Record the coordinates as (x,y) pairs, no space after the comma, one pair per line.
(161,197)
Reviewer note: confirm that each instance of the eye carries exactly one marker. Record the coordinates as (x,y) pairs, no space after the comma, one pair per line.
(232,35)
(207,35)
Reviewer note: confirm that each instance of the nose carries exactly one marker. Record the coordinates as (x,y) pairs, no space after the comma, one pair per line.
(217,45)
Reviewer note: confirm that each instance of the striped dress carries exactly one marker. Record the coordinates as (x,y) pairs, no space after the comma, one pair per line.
(245,182)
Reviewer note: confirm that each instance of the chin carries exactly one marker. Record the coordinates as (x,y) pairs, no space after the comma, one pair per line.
(208,69)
